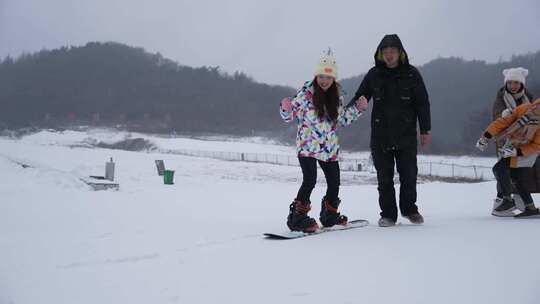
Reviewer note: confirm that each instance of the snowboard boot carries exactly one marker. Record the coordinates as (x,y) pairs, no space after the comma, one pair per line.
(530,212)
(505,208)
(298,220)
(386,222)
(415,218)
(329,215)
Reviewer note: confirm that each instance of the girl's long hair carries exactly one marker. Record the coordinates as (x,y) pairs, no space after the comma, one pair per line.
(326,102)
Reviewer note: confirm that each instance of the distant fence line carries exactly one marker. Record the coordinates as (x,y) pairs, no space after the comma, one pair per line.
(427,168)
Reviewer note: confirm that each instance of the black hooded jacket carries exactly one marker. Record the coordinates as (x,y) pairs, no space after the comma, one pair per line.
(399,100)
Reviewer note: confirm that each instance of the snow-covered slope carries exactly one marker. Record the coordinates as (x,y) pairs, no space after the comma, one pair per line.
(200,240)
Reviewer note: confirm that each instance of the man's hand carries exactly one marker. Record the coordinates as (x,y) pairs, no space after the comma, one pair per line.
(425,139)
(361,104)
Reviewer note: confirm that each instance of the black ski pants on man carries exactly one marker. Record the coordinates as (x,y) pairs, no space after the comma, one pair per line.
(384,160)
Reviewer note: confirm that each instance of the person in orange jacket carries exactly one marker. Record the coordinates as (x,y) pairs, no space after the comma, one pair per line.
(513,94)
(521,136)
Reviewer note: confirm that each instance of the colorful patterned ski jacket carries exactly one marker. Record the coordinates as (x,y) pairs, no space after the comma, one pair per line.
(317,136)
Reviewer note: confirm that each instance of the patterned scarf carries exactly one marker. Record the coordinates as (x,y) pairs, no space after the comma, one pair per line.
(510,99)
(522,130)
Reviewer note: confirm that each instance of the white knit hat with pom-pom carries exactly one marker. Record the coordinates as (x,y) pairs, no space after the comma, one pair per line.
(327,65)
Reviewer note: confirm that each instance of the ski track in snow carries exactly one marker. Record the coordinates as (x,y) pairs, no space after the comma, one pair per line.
(131,259)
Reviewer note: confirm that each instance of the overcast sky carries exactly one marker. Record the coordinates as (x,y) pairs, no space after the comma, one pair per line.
(276,41)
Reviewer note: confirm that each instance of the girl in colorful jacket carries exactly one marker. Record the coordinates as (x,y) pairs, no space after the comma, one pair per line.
(317,110)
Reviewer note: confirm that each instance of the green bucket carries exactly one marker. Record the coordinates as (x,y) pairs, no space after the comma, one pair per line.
(168,177)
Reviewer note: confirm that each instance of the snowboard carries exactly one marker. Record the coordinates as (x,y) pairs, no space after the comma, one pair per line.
(287,235)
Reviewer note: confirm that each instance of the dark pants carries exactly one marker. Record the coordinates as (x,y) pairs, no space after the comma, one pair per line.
(405,161)
(309,173)
(507,176)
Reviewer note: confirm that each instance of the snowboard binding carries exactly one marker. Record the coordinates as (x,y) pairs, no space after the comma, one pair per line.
(298,220)
(329,213)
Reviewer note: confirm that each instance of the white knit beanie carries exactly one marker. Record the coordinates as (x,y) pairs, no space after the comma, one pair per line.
(515,74)
(327,65)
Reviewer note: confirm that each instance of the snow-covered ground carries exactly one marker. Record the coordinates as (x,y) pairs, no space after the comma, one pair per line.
(200,240)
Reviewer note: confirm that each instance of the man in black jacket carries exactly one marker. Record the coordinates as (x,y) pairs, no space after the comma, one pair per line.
(400,100)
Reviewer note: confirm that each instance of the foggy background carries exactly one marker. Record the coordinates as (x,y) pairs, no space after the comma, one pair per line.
(276,42)
(221,67)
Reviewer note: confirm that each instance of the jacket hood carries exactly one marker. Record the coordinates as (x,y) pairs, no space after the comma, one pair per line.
(391,40)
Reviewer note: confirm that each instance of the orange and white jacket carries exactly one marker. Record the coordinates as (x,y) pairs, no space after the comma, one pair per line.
(531,149)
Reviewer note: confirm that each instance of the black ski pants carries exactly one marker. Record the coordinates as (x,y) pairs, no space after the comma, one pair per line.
(507,176)
(405,161)
(309,174)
